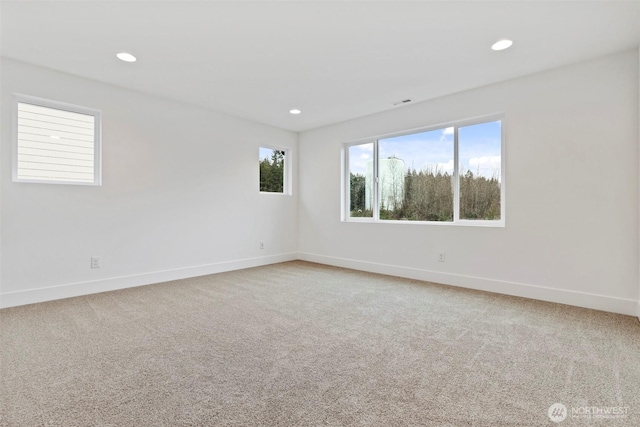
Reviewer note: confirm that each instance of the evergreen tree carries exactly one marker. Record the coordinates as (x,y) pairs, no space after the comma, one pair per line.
(272,173)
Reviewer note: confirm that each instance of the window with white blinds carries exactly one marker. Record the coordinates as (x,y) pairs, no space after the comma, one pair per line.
(56,142)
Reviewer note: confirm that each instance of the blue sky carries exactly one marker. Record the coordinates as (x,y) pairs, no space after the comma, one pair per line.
(265,153)
(479,150)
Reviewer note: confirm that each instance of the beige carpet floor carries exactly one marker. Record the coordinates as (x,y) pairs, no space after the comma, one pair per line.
(300,344)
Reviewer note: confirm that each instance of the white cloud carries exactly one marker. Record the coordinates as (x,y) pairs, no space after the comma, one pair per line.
(365,156)
(445,132)
(446,167)
(439,167)
(487,166)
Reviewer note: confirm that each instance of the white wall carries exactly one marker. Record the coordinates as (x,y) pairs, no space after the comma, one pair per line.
(572,187)
(167,166)
(179,196)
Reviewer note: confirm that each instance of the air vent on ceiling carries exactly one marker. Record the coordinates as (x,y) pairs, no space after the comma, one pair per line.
(404,101)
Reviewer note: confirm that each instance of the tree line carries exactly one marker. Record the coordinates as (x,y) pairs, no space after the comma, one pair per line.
(428,196)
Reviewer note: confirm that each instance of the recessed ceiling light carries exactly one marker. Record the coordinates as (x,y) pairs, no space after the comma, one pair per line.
(295,111)
(501,44)
(126,57)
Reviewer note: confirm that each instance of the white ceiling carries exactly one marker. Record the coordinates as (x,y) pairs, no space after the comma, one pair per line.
(335,60)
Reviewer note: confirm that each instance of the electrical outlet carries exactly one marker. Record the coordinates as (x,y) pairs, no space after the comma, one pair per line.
(261,245)
(442,257)
(95,262)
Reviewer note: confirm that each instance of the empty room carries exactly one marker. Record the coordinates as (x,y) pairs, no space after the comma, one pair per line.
(305,213)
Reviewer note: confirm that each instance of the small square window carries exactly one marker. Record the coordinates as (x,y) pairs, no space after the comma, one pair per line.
(56,143)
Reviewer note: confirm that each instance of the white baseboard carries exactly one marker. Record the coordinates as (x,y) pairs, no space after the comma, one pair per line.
(31,296)
(580,299)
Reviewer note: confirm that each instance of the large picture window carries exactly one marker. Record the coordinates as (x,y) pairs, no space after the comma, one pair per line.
(450,174)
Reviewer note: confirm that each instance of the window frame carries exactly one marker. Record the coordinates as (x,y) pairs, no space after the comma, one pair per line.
(63,106)
(287,181)
(345,187)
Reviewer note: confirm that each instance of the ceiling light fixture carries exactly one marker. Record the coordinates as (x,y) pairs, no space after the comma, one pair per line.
(502,44)
(295,111)
(126,57)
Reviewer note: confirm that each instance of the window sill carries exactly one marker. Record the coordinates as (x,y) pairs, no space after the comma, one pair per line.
(461,223)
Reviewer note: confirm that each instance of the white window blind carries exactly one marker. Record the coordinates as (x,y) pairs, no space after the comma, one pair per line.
(56,143)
